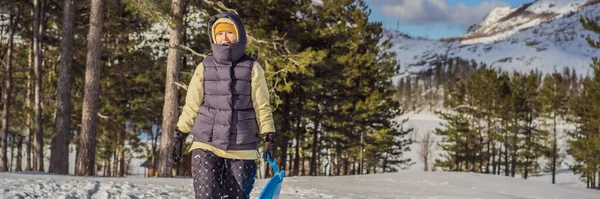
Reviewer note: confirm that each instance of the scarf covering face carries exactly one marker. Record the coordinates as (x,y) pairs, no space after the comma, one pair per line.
(228,53)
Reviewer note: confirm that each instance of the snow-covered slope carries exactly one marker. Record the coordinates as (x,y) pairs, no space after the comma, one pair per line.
(505,21)
(524,43)
(388,185)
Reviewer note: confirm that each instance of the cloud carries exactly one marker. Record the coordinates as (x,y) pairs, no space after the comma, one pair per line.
(438,11)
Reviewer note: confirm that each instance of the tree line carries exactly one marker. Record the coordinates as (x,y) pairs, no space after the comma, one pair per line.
(505,123)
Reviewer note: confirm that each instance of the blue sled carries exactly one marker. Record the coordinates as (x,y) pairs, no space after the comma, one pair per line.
(273,186)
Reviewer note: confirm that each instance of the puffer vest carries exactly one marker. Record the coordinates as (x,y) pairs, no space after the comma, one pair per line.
(226,118)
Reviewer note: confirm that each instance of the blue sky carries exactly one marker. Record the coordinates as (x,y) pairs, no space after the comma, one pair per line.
(434,18)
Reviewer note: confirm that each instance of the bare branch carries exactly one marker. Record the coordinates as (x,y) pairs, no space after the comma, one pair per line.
(103,116)
(181,85)
(293,60)
(183,47)
(253,39)
(222,6)
(219,6)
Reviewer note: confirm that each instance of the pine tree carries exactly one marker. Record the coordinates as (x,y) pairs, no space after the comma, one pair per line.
(38,143)
(583,146)
(554,99)
(86,160)
(6,93)
(507,115)
(529,112)
(457,134)
(59,159)
(171,98)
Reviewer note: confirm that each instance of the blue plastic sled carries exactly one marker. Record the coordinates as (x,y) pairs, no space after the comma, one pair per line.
(273,186)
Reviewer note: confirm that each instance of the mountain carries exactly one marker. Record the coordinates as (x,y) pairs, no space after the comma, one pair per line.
(545,35)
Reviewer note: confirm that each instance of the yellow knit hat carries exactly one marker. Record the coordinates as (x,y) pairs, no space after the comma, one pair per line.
(223,24)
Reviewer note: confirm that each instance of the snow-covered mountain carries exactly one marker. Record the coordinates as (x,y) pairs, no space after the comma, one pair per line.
(545,35)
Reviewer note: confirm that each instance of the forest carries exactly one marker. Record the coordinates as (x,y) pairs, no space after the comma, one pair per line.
(107,79)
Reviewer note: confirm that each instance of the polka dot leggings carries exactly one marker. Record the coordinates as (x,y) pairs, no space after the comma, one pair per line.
(216,177)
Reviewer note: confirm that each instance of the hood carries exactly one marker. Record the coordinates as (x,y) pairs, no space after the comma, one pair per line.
(228,53)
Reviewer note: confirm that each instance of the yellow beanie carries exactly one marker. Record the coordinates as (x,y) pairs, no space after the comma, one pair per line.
(223,25)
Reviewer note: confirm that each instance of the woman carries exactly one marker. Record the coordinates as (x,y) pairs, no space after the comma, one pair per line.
(226,109)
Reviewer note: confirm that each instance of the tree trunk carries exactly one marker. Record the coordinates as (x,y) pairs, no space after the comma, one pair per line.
(499,161)
(506,168)
(468,156)
(297,153)
(59,159)
(19,166)
(513,163)
(587,181)
(339,162)
(481,154)
(86,161)
(593,180)
(299,131)
(106,167)
(346,166)
(12,153)
(170,108)
(303,165)
(554,153)
(493,157)
(514,154)
(154,152)
(29,104)
(38,143)
(284,151)
(313,158)
(115,162)
(122,170)
(290,158)
(286,128)
(6,97)
(528,151)
(488,156)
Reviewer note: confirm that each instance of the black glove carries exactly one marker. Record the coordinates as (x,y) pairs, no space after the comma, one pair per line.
(178,144)
(270,147)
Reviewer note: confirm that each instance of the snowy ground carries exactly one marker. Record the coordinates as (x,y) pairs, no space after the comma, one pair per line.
(425,122)
(391,185)
(411,183)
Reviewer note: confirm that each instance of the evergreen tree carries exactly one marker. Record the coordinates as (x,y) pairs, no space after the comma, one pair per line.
(554,99)
(59,159)
(528,109)
(583,146)
(86,160)
(6,92)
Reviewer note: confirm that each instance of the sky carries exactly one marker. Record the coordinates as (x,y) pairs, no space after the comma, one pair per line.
(434,19)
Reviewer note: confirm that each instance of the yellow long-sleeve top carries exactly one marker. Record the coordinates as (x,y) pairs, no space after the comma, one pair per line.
(261,105)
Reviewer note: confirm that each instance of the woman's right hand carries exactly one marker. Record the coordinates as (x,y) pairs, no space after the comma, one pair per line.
(178,144)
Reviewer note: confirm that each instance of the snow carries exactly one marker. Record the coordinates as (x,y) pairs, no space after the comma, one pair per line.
(424,122)
(556,6)
(496,26)
(495,15)
(546,47)
(387,185)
